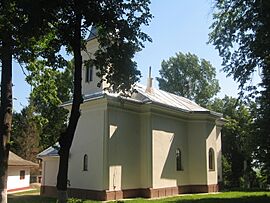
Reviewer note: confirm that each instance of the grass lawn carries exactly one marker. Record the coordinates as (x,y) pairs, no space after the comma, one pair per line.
(226,197)
(29,197)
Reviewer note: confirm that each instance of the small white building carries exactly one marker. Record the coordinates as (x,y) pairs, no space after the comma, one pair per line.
(18,172)
(151,144)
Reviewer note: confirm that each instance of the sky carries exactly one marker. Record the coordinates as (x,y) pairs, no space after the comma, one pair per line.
(177,26)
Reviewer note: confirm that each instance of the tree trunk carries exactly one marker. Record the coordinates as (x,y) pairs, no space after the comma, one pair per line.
(66,138)
(3,197)
(5,113)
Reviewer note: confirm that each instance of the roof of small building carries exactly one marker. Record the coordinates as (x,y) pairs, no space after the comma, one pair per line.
(93,33)
(15,160)
(51,151)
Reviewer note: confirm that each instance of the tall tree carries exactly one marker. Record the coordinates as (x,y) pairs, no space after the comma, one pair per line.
(237,147)
(18,26)
(262,140)
(188,76)
(51,87)
(6,97)
(241,33)
(119,35)
(26,133)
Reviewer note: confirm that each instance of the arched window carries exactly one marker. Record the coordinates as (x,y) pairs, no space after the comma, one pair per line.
(211,160)
(89,74)
(178,160)
(85,162)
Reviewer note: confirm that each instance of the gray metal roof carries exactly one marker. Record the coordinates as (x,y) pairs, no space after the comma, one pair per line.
(162,98)
(165,98)
(51,151)
(93,33)
(155,96)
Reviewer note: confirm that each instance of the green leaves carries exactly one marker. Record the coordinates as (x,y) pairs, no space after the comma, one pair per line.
(25,133)
(51,87)
(241,33)
(188,76)
(43,81)
(238,135)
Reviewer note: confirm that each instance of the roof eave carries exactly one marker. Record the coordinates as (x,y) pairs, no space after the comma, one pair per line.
(42,156)
(23,165)
(86,99)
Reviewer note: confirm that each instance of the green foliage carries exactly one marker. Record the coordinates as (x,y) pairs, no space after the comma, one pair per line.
(43,79)
(262,140)
(21,26)
(51,87)
(18,31)
(187,76)
(25,133)
(74,200)
(237,140)
(119,34)
(226,171)
(241,33)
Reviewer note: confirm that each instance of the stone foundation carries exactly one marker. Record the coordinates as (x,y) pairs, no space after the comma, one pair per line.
(130,193)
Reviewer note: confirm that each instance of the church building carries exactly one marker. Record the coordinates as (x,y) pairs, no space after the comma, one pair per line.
(152,144)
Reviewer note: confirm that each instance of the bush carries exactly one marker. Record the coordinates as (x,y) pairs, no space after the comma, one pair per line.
(74,200)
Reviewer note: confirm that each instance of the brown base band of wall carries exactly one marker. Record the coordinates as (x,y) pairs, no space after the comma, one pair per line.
(18,189)
(130,193)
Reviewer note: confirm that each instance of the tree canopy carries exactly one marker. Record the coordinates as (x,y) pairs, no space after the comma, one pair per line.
(237,141)
(50,88)
(188,76)
(25,137)
(241,33)
(20,26)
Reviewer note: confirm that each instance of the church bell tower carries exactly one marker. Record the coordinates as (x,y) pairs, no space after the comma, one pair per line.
(89,77)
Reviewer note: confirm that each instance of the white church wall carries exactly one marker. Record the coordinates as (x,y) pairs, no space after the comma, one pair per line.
(169,134)
(90,87)
(197,134)
(88,141)
(123,149)
(211,142)
(219,152)
(146,150)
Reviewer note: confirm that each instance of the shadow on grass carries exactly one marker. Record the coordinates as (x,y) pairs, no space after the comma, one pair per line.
(29,199)
(251,199)
(227,197)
